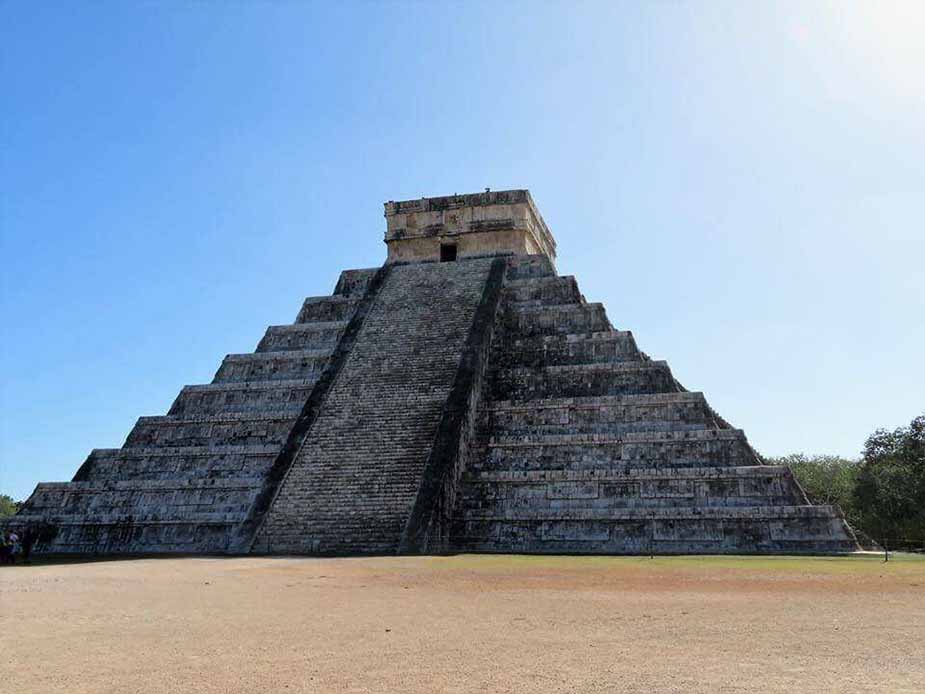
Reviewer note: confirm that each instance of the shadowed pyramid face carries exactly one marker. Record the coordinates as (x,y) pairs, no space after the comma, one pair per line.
(466,226)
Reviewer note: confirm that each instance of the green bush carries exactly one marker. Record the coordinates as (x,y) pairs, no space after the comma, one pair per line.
(7,506)
(883,493)
(826,479)
(890,488)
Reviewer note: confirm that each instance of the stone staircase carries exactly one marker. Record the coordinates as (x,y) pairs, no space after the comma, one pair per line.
(355,479)
(187,481)
(586,445)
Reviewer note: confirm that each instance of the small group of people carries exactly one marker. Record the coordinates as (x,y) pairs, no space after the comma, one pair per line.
(16,545)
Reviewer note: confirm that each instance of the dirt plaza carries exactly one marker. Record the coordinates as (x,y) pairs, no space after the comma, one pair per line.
(467,623)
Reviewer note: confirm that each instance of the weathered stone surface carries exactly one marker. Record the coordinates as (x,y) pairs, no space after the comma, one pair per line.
(586,445)
(353,483)
(483,224)
(475,405)
(326,309)
(246,396)
(186,482)
(266,366)
(302,336)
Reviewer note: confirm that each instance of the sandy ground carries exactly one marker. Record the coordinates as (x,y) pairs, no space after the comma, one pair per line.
(465,624)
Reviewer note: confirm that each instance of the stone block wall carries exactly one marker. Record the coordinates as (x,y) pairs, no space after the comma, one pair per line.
(586,445)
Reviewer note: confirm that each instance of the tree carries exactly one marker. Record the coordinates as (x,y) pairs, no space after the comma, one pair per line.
(826,479)
(7,506)
(890,489)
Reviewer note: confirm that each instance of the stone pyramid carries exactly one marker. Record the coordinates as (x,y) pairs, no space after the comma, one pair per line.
(462,397)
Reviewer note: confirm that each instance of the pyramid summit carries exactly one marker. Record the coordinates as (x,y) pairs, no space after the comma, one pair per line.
(461,397)
(505,222)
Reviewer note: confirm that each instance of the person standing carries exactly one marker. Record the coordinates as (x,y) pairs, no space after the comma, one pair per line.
(6,548)
(14,546)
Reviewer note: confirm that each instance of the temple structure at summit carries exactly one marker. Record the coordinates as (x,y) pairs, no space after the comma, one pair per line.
(461,397)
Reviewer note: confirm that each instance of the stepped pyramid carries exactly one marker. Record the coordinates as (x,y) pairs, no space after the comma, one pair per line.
(462,397)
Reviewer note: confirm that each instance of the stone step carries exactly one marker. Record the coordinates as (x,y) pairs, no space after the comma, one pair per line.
(202,533)
(90,521)
(490,493)
(342,534)
(615,415)
(353,283)
(644,404)
(582,380)
(244,396)
(158,486)
(709,448)
(629,474)
(265,428)
(674,530)
(566,348)
(603,498)
(539,432)
(327,308)
(136,503)
(527,267)
(272,366)
(396,373)
(526,320)
(766,512)
(595,439)
(201,462)
(302,336)
(397,396)
(373,438)
(546,291)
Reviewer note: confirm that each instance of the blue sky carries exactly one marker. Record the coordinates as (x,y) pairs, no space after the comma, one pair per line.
(742,185)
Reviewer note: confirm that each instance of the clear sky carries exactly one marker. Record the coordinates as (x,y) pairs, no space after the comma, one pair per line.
(741,183)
